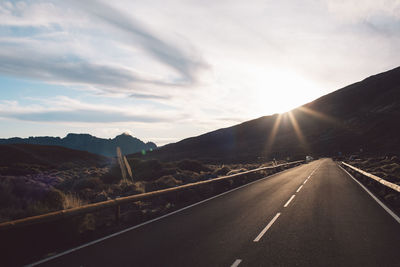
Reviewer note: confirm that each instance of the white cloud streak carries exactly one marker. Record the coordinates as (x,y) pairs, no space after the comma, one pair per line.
(64,109)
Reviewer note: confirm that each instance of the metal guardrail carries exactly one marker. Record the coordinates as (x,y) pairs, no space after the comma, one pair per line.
(376,178)
(62,214)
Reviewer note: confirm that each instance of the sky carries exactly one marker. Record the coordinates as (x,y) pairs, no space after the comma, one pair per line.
(164,70)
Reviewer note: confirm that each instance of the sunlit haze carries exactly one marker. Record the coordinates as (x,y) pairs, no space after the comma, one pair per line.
(166,70)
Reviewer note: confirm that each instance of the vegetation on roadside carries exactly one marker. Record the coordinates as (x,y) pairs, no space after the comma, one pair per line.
(385,167)
(34,183)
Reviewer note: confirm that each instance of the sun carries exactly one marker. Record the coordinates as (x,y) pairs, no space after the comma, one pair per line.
(281,91)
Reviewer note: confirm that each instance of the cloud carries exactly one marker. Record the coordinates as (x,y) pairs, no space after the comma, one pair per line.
(64,109)
(148,96)
(160,49)
(74,55)
(25,62)
(88,116)
(352,10)
(30,64)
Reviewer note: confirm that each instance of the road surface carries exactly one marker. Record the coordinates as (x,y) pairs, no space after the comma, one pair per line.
(311,215)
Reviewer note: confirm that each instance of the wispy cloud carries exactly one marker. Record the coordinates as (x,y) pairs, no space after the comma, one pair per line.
(149,96)
(88,116)
(64,109)
(63,61)
(24,62)
(169,54)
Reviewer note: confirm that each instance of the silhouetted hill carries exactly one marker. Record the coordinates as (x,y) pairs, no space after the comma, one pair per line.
(21,159)
(364,115)
(87,142)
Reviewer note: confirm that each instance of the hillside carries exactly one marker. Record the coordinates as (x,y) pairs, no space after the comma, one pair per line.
(27,159)
(87,142)
(363,116)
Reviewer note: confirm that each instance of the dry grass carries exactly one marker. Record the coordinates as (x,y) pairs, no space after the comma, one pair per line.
(73,201)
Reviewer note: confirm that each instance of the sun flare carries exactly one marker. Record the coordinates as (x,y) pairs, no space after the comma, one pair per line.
(281,91)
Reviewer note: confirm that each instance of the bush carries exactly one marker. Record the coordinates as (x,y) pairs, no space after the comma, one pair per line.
(91,183)
(187,176)
(192,165)
(65,185)
(54,199)
(221,171)
(207,176)
(113,175)
(150,170)
(102,196)
(163,182)
(128,188)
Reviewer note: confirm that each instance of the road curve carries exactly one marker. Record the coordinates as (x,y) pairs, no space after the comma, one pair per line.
(312,215)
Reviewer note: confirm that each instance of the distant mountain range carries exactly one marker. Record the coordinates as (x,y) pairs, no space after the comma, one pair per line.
(87,142)
(362,117)
(26,155)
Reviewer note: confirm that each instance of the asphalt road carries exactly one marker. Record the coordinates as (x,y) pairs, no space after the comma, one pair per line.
(330,221)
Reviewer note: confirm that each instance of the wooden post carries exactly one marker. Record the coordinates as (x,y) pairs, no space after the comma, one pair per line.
(117,213)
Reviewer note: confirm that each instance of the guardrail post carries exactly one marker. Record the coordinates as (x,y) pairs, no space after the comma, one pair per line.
(117,213)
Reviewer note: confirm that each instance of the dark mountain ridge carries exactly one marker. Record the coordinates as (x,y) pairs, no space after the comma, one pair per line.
(53,156)
(363,116)
(87,142)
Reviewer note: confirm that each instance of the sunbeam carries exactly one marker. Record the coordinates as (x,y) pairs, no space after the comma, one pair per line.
(272,135)
(320,115)
(297,129)
(328,119)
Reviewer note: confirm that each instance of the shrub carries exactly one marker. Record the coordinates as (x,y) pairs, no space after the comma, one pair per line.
(221,171)
(149,170)
(7,198)
(169,181)
(207,176)
(113,175)
(91,183)
(54,199)
(102,196)
(187,176)
(65,185)
(163,182)
(128,188)
(192,165)
(36,208)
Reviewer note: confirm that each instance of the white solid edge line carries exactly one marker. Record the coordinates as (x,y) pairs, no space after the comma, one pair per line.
(288,202)
(236,263)
(150,221)
(374,197)
(298,190)
(266,228)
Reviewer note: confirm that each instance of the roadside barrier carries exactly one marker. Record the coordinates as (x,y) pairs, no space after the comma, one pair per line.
(376,178)
(117,202)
